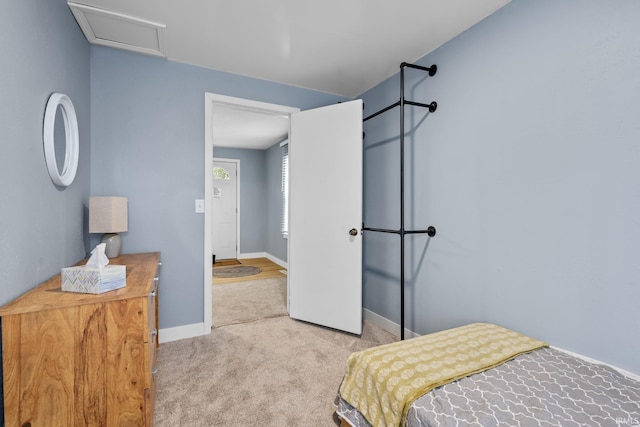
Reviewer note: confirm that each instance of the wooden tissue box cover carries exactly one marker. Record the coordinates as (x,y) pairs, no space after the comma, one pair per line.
(94,280)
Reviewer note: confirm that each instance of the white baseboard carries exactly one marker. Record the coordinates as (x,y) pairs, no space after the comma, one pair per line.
(197,329)
(598,362)
(270,257)
(182,332)
(252,255)
(278,261)
(386,324)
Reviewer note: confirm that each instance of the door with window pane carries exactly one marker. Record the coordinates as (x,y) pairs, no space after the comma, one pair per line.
(224,209)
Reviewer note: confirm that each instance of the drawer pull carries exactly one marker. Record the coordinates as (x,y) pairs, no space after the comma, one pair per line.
(153,293)
(154,372)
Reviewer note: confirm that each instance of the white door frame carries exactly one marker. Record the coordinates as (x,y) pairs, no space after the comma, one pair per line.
(237,162)
(211,99)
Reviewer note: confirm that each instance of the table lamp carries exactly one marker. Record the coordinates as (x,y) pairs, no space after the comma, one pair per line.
(108,215)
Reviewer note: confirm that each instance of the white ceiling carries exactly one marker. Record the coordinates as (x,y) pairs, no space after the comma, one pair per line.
(343,47)
(245,128)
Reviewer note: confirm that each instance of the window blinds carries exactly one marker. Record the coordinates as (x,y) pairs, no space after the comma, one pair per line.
(284,217)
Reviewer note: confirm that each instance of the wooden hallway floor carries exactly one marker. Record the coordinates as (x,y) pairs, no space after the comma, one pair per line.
(268,267)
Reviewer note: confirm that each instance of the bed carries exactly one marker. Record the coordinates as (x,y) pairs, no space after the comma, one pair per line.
(484,375)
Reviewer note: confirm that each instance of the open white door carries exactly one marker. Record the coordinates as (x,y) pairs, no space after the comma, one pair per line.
(325,216)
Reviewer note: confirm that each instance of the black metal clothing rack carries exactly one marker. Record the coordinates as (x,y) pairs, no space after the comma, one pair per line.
(430,231)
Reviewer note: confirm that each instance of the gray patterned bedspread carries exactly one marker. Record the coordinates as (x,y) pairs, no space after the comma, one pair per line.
(546,387)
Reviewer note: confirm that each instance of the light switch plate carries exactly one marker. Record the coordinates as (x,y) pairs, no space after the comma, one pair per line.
(199,205)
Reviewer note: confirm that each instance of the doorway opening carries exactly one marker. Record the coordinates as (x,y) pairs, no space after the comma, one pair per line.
(217,120)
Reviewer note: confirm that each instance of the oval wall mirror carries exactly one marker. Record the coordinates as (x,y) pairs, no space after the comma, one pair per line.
(59,107)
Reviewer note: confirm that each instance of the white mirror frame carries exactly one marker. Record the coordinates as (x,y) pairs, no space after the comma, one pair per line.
(70,167)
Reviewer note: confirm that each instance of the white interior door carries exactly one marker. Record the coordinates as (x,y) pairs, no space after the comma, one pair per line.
(224,209)
(325,204)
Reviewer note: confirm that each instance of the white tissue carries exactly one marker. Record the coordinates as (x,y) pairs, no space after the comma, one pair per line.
(98,258)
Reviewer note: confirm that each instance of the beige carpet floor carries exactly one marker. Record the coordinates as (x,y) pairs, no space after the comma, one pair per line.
(242,302)
(270,372)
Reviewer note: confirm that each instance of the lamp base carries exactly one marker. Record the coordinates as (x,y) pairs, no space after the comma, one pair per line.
(113,244)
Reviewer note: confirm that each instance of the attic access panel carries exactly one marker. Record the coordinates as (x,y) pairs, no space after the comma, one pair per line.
(113,29)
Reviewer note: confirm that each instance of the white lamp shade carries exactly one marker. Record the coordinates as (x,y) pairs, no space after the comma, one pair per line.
(108,214)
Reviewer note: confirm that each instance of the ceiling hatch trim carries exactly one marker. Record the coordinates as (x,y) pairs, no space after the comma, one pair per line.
(118,30)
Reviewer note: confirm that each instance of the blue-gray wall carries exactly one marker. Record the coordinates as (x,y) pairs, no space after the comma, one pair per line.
(41,226)
(148,145)
(529,170)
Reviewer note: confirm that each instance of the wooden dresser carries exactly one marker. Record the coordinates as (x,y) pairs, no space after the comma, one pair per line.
(73,359)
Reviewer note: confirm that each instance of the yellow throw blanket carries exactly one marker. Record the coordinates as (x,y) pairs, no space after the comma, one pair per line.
(382,382)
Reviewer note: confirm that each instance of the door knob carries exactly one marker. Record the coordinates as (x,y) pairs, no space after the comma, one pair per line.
(353,232)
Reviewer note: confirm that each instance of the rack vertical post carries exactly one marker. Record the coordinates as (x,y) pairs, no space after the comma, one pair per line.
(430,231)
